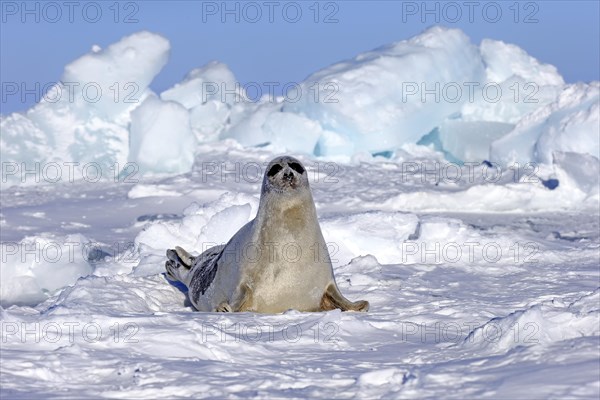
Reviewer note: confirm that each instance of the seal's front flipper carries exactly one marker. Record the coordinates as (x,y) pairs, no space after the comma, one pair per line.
(332,299)
(245,299)
(243,302)
(224,307)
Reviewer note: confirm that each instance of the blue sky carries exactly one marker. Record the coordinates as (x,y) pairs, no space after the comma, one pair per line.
(280,45)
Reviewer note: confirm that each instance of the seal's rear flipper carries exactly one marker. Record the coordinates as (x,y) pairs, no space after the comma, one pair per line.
(332,299)
(186,257)
(179,264)
(181,257)
(171,268)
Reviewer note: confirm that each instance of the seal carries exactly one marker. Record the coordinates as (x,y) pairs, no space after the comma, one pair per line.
(276,262)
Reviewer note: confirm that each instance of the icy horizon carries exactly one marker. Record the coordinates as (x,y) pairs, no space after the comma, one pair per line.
(491,102)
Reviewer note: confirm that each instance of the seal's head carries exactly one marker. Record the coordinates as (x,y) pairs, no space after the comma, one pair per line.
(284,175)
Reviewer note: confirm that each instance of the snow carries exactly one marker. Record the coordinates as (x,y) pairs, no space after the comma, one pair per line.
(470,324)
(482,274)
(40,265)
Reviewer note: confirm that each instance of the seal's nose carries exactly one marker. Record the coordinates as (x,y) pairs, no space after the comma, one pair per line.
(288,176)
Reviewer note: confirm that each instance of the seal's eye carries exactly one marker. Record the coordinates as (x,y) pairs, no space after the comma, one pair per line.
(274,170)
(296,167)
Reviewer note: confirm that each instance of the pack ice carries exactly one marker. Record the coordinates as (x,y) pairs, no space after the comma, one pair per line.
(490,101)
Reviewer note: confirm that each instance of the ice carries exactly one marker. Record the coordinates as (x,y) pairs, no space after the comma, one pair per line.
(470,140)
(332,144)
(571,124)
(383,94)
(288,130)
(123,72)
(517,84)
(507,101)
(505,60)
(214,81)
(161,138)
(577,131)
(21,142)
(367,100)
(209,119)
(209,93)
(491,101)
(84,118)
(578,171)
(246,125)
